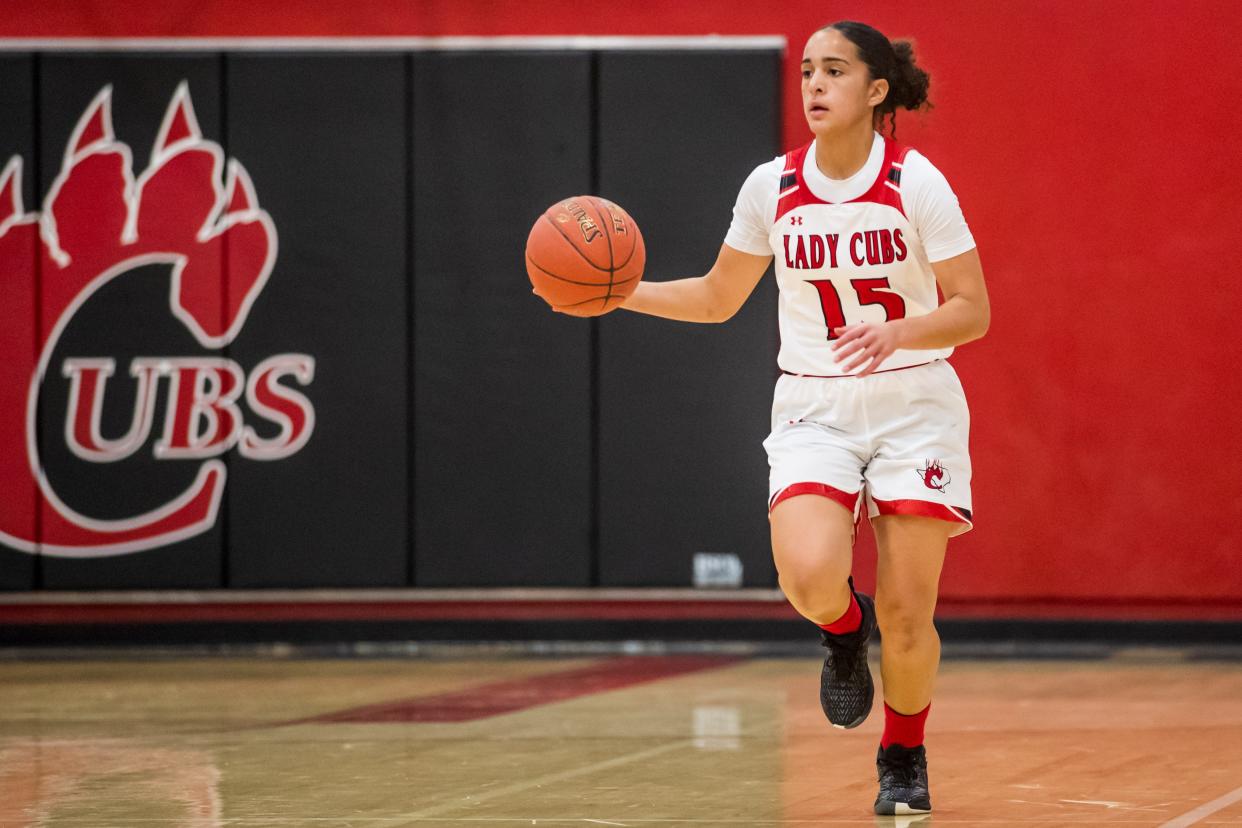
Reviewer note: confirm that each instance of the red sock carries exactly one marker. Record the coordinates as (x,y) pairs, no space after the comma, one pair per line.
(902,729)
(849,621)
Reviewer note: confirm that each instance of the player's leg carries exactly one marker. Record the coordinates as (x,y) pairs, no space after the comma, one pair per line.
(910,555)
(813,491)
(919,486)
(919,496)
(813,494)
(813,548)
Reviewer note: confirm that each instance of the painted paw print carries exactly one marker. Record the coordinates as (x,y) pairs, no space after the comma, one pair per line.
(187,209)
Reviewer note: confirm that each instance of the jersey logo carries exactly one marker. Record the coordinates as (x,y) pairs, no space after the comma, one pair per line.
(795,219)
(934,475)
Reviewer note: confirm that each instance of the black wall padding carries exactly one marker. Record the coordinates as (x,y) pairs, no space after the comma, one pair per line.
(324,138)
(502,417)
(685,407)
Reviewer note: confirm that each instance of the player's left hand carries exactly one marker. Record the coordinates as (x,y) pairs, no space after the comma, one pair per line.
(865,344)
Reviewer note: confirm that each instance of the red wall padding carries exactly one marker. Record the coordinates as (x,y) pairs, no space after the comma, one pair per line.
(1093,146)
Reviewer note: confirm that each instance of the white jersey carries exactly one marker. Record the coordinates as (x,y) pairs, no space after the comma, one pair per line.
(858,250)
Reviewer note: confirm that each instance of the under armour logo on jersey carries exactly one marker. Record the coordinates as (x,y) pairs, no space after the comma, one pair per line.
(795,219)
(934,475)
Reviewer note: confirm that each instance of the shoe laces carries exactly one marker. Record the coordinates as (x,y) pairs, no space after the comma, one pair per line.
(844,656)
(903,772)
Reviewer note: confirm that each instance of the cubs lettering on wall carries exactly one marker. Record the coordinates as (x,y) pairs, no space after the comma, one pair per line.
(186,218)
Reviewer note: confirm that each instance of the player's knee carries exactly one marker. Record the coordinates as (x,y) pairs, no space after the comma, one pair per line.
(816,585)
(811,568)
(904,625)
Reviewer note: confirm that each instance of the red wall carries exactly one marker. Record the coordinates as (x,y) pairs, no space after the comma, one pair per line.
(1093,146)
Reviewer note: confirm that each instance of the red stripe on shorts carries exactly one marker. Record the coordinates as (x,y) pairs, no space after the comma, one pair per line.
(921,508)
(846,499)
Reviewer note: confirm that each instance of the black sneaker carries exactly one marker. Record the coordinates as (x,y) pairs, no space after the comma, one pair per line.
(903,780)
(845,687)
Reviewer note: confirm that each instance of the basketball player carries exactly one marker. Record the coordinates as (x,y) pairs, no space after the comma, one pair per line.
(867,414)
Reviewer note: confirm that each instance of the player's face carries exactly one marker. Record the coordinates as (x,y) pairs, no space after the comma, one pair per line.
(837,90)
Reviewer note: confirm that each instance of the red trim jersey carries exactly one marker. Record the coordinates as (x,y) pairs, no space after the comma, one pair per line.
(858,250)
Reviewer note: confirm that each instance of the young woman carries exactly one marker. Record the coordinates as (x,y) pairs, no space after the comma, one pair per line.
(867,412)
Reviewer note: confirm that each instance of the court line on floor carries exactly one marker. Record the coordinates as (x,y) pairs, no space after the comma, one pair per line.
(483,701)
(519,787)
(1206,809)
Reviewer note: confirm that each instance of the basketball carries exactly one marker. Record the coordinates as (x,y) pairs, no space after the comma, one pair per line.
(585,256)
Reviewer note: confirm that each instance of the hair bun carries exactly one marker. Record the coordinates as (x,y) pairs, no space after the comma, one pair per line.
(908,87)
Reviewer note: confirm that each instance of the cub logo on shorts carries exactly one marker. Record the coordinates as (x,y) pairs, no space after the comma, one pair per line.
(934,475)
(193,214)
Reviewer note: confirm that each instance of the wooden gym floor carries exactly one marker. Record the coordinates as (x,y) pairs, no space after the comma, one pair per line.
(669,740)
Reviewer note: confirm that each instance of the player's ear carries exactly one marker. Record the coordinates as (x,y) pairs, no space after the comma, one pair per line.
(878,92)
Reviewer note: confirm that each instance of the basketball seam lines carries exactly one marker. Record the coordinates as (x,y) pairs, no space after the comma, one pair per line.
(621,266)
(633,248)
(574,246)
(573,282)
(576,304)
(594,202)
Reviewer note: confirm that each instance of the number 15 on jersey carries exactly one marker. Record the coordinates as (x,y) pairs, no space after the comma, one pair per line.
(868,291)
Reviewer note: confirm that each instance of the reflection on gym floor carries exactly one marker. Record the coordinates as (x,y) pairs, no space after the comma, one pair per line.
(641,741)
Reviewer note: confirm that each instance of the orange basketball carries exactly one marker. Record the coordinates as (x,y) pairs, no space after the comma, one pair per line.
(585,255)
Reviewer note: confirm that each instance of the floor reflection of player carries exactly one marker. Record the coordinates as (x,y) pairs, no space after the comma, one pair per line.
(867,412)
(103,775)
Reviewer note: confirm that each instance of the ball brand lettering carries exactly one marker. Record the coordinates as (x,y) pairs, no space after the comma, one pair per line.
(590,230)
(618,220)
(870,247)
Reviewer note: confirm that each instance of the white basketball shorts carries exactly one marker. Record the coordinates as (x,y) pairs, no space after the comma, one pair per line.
(898,438)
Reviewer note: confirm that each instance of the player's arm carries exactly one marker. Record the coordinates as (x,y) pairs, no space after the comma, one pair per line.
(963,316)
(714,297)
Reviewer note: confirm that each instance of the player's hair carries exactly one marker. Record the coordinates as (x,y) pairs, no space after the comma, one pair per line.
(892,61)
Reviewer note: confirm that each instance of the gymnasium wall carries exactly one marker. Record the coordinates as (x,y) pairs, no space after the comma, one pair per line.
(286,338)
(1091,146)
